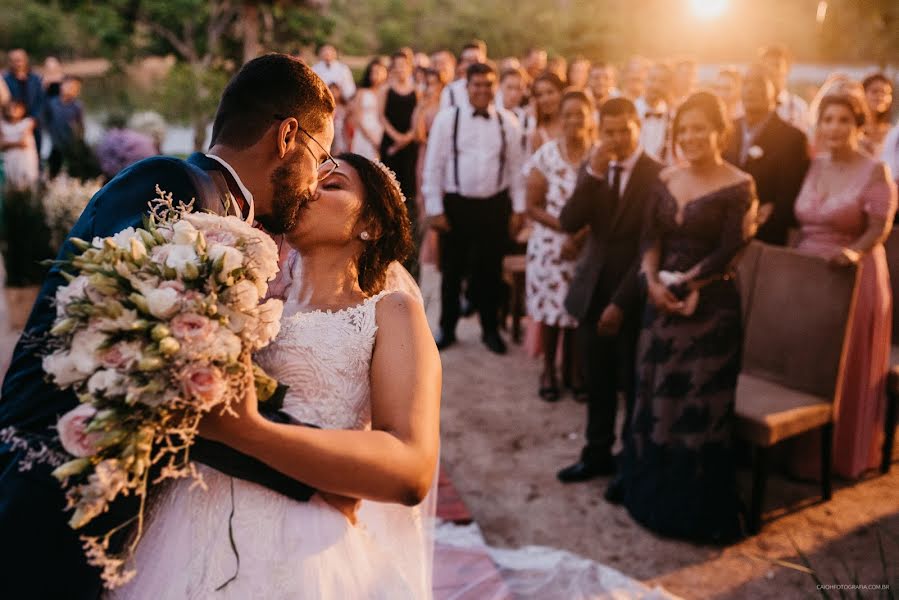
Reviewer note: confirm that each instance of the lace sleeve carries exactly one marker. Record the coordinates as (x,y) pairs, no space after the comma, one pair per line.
(737,230)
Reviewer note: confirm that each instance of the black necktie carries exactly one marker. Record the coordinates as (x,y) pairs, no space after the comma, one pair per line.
(615,182)
(481,113)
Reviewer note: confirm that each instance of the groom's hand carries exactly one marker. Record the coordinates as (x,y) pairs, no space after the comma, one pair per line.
(347,506)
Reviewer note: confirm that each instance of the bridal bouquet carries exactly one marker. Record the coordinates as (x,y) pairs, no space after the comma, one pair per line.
(152,331)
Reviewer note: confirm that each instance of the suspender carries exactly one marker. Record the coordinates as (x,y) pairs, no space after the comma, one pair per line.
(524,131)
(452,95)
(502,150)
(456,148)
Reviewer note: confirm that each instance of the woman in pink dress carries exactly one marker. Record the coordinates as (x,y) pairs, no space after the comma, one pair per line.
(845,211)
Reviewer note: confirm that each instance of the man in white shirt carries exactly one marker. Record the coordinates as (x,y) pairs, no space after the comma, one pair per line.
(601,84)
(790,107)
(332,70)
(474,198)
(655,112)
(456,93)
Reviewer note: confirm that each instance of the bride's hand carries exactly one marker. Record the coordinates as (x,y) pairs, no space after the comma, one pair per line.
(227,426)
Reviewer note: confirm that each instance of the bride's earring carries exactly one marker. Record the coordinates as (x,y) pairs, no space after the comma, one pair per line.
(365,236)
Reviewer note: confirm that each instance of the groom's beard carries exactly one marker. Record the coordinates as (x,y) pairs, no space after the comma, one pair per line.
(287,202)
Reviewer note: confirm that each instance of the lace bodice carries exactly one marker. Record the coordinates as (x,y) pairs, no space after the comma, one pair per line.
(325,358)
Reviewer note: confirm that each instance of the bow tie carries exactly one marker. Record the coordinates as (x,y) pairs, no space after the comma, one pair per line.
(481,113)
(654,115)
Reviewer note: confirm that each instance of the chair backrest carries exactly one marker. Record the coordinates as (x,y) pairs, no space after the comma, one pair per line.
(796,330)
(747,268)
(892,249)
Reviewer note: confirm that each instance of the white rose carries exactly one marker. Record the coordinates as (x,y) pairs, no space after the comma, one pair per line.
(179,256)
(122,239)
(106,380)
(184,233)
(225,346)
(85,349)
(231,259)
(61,368)
(242,296)
(66,294)
(163,303)
(269,322)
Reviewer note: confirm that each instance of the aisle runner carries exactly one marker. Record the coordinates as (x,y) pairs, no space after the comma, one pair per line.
(465,568)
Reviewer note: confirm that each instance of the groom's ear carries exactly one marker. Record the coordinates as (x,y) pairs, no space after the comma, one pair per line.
(287,136)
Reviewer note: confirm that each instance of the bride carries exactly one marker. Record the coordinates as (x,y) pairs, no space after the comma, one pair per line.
(361,363)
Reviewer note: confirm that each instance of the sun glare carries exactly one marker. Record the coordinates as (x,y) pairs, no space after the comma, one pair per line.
(708,9)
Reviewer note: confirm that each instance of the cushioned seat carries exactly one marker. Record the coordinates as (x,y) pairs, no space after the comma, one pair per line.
(768,413)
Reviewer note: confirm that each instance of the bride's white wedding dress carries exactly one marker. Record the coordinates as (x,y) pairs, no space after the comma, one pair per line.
(290,549)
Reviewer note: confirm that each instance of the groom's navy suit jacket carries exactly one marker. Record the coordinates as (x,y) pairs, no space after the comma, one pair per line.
(41,557)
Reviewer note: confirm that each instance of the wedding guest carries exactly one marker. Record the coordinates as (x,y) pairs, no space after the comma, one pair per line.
(655,111)
(509,62)
(474,197)
(547,90)
(728,86)
(26,87)
(578,73)
(64,120)
(610,198)
(341,125)
(845,211)
(456,92)
(20,157)
(601,84)
(678,475)
(423,119)
(558,66)
(399,150)
(365,112)
(535,62)
(551,174)
(890,153)
(332,70)
(684,81)
(879,99)
(790,107)
(633,82)
(511,95)
(52,76)
(774,152)
(444,62)
(837,83)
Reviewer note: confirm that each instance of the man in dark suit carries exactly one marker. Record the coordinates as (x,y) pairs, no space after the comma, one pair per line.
(26,87)
(774,152)
(271,134)
(610,198)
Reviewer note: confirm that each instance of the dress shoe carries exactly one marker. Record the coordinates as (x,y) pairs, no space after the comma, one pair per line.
(494,343)
(444,340)
(614,494)
(585,470)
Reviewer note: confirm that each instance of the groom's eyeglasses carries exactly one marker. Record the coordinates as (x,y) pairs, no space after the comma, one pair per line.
(328,165)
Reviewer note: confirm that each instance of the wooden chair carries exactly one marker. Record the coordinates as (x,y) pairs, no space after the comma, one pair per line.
(793,358)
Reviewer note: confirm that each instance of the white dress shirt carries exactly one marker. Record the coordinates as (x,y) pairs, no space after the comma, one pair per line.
(653,128)
(794,110)
(338,73)
(455,94)
(251,213)
(479,144)
(627,168)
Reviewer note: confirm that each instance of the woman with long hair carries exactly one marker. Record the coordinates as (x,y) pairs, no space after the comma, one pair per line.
(364,110)
(547,97)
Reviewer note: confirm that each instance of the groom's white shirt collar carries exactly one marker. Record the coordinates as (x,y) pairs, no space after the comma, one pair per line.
(251,217)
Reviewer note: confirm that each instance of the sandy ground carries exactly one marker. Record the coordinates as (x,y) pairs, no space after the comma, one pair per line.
(502,447)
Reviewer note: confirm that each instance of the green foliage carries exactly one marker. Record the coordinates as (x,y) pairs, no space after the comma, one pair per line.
(188,93)
(40,28)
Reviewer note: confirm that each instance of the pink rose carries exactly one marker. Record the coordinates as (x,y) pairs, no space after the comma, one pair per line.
(220,236)
(190,328)
(120,356)
(73,434)
(203,383)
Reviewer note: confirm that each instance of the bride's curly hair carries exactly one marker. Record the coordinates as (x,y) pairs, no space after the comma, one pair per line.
(387,222)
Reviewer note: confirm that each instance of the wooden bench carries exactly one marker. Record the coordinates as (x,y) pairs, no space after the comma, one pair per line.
(797,315)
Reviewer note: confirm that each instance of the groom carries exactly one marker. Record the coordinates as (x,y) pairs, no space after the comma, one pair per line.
(272,132)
